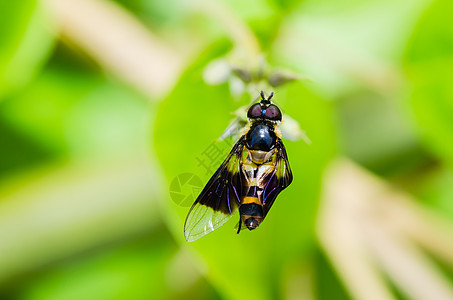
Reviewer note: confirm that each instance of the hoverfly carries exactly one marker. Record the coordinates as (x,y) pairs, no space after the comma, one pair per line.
(250,178)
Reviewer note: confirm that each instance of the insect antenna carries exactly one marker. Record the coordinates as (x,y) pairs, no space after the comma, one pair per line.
(270,96)
(265,101)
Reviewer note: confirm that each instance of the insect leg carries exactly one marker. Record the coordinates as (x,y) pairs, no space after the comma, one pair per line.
(240,224)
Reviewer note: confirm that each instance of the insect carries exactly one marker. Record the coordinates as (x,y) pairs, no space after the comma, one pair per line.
(250,178)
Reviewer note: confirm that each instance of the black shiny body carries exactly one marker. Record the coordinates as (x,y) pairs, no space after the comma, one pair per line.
(261,136)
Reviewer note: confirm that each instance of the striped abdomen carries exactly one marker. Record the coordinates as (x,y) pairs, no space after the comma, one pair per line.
(256,166)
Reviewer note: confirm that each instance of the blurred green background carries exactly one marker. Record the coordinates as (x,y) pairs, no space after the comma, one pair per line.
(110,111)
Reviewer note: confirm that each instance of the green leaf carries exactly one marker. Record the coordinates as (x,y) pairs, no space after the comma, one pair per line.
(131,271)
(25,43)
(287,5)
(251,264)
(429,61)
(78,113)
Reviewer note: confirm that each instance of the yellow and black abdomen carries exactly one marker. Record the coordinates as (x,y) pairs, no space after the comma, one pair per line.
(256,165)
(251,207)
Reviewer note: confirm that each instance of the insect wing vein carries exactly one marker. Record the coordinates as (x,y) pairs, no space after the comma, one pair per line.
(279,179)
(219,199)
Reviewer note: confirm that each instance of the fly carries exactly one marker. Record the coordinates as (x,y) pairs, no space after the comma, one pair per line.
(249,179)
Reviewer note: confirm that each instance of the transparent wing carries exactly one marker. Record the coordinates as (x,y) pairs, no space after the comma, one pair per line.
(291,130)
(278,180)
(203,220)
(219,199)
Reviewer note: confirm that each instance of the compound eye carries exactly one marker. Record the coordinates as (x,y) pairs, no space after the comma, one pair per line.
(254,111)
(273,113)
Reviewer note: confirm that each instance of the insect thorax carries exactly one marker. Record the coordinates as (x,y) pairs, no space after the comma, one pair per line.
(261,136)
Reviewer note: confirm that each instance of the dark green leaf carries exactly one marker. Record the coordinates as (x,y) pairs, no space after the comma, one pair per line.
(251,264)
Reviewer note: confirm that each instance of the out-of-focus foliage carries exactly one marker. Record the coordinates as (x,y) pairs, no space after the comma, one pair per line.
(88,161)
(429,57)
(25,42)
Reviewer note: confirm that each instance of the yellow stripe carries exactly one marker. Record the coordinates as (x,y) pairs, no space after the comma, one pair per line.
(248,200)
